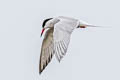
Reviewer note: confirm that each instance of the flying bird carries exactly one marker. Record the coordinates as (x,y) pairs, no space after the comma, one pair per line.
(57,38)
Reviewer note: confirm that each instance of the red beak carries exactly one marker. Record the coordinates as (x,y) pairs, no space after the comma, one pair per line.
(42,32)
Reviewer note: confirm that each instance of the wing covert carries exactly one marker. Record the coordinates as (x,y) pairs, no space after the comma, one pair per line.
(61,35)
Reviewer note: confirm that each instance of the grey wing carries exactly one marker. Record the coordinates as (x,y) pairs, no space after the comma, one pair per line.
(46,50)
(61,36)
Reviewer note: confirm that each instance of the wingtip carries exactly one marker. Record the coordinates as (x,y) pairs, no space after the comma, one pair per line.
(40,71)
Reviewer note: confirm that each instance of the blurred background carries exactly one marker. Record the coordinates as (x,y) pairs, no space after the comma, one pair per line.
(93,53)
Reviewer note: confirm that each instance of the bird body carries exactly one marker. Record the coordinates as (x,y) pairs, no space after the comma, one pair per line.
(57,38)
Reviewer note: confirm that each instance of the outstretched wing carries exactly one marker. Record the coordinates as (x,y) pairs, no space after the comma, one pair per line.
(46,50)
(61,36)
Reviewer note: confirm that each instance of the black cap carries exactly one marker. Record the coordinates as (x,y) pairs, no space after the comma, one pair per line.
(44,22)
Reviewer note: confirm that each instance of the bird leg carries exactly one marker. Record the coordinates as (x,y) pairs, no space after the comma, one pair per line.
(82,26)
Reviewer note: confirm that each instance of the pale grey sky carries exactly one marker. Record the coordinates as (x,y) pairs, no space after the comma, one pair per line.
(93,53)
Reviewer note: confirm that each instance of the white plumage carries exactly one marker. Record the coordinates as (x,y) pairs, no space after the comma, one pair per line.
(57,38)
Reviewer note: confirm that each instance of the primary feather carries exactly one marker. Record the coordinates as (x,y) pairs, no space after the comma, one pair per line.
(46,50)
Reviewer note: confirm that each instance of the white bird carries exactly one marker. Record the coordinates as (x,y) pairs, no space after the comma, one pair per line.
(57,38)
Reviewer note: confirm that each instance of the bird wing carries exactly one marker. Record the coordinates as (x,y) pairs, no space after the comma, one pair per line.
(46,50)
(61,36)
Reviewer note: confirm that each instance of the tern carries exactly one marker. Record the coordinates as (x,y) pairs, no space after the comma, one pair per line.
(57,38)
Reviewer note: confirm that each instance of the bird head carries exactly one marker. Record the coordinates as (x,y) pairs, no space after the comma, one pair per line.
(46,24)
